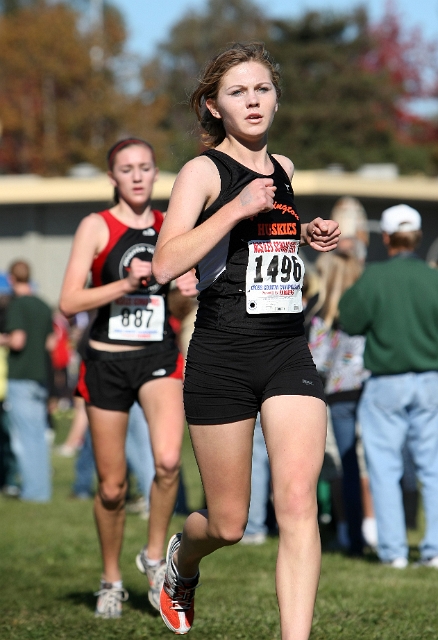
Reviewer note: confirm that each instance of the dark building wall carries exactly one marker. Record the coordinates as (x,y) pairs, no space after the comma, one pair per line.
(310,207)
(53,219)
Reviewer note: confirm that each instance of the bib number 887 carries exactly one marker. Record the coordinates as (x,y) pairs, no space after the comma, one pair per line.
(137,315)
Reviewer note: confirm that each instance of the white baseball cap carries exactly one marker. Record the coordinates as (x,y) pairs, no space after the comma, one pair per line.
(401,217)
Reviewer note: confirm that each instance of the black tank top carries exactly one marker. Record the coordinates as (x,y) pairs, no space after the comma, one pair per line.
(222,273)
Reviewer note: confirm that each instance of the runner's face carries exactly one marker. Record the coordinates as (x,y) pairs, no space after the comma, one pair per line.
(246,100)
(134,173)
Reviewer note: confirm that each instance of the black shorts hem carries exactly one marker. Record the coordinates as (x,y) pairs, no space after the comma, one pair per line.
(315,394)
(219,421)
(124,409)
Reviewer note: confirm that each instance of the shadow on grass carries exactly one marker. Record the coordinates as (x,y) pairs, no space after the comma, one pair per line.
(137,601)
(81,598)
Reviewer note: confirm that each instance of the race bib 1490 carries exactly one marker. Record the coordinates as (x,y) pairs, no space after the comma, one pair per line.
(274,277)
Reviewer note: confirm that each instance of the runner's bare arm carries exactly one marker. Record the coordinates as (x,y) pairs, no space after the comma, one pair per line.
(89,240)
(180,244)
(321,235)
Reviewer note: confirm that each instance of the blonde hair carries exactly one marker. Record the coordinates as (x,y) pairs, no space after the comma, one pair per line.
(337,274)
(352,218)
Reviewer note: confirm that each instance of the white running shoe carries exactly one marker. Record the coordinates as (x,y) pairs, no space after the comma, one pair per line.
(397,563)
(155,574)
(253,538)
(428,562)
(369,532)
(109,600)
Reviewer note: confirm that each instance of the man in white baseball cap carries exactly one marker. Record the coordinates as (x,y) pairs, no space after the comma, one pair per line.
(400,218)
(394,304)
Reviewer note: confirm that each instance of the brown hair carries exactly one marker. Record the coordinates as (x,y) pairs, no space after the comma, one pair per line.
(210,80)
(405,240)
(122,144)
(20,271)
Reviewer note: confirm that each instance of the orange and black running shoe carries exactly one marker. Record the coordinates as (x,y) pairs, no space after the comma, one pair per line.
(177,595)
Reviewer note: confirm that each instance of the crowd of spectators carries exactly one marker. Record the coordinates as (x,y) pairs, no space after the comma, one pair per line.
(372,333)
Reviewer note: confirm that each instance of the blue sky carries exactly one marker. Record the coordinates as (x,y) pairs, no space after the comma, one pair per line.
(149,21)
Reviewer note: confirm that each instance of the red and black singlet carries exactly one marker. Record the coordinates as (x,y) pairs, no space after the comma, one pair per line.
(140,318)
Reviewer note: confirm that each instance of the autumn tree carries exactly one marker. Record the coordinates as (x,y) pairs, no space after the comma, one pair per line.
(61,99)
(410,64)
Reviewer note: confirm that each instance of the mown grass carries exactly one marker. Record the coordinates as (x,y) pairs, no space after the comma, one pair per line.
(49,567)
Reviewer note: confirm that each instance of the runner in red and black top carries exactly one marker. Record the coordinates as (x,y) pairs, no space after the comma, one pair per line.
(131,355)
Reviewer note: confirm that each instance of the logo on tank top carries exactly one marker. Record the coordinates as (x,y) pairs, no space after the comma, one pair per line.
(286,208)
(277,229)
(143,252)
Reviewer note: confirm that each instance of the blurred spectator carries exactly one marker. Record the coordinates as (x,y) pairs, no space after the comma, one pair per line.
(28,335)
(339,358)
(8,465)
(395,306)
(79,336)
(257,527)
(76,435)
(60,396)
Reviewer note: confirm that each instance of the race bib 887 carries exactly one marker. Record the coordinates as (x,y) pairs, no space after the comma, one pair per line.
(274,277)
(137,318)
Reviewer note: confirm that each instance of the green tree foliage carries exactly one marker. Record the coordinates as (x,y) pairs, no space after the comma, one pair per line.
(333,110)
(172,74)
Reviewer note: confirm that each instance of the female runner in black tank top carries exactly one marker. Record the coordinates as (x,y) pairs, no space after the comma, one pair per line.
(131,355)
(232,216)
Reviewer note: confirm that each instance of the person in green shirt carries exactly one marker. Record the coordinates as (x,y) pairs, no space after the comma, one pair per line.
(395,306)
(29,338)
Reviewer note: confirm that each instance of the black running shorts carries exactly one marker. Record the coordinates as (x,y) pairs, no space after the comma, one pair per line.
(111,380)
(228,376)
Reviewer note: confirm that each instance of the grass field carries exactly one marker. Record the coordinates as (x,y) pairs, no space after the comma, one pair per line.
(50,566)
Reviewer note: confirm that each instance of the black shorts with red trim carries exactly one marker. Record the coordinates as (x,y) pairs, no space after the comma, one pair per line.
(111,380)
(228,376)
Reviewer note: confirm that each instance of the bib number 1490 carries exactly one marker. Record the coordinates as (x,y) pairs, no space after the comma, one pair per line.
(274,277)
(289,266)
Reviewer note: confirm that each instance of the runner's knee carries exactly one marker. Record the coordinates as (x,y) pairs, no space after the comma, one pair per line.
(298,503)
(112,494)
(229,530)
(167,466)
